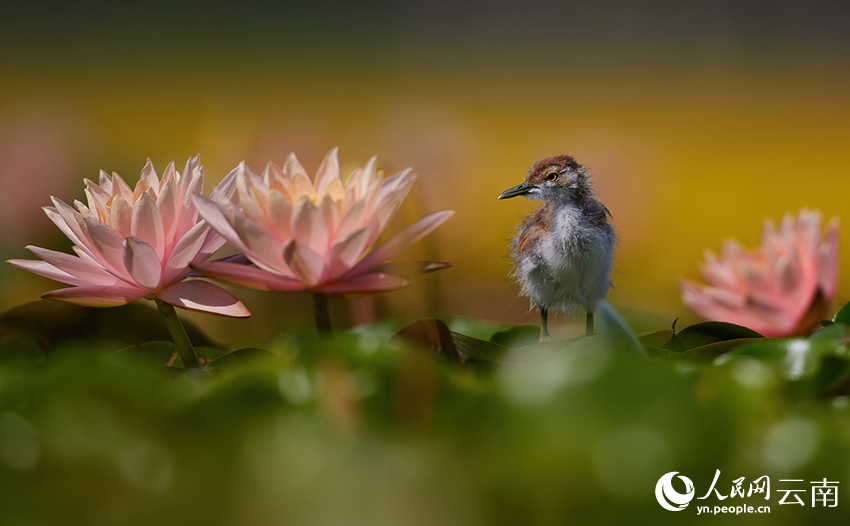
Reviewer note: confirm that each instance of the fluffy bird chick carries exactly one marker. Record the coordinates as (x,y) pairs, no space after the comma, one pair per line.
(562,252)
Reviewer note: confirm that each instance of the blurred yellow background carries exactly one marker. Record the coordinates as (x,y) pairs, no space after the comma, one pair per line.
(695,128)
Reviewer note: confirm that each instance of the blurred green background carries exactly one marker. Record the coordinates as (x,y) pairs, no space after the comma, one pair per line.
(697,119)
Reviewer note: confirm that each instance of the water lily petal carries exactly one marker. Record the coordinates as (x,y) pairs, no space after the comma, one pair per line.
(227,207)
(213,215)
(280,213)
(330,214)
(335,190)
(397,180)
(169,174)
(84,210)
(121,216)
(368,177)
(142,262)
(409,269)
(370,195)
(149,176)
(399,243)
(71,223)
(188,175)
(328,172)
(352,187)
(301,187)
(260,246)
(364,284)
(146,223)
(43,268)
(83,269)
(188,247)
(96,295)
(248,276)
(227,186)
(196,186)
(212,242)
(107,246)
(308,266)
(308,227)
(121,188)
(203,296)
(353,219)
(250,197)
(104,181)
(271,173)
(345,252)
(391,197)
(168,208)
(291,166)
(97,196)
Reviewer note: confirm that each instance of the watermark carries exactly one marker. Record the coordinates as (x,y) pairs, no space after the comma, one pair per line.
(669,498)
(737,510)
(793,492)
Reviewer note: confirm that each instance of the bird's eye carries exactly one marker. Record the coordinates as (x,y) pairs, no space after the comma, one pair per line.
(552,176)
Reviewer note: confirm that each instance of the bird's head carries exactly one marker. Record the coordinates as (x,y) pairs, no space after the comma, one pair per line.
(554,179)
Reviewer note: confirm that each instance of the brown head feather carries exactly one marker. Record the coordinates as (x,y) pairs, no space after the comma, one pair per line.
(537,173)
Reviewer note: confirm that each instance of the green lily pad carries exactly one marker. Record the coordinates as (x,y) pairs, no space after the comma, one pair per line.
(843,315)
(170,372)
(475,328)
(655,339)
(657,353)
(713,350)
(468,348)
(540,352)
(708,332)
(433,335)
(834,331)
(517,336)
(151,354)
(208,354)
(241,358)
(821,363)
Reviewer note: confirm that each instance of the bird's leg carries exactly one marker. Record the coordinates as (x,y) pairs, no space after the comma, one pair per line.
(589,323)
(544,325)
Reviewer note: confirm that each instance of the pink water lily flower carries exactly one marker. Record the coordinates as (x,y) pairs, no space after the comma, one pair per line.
(136,243)
(315,235)
(783,288)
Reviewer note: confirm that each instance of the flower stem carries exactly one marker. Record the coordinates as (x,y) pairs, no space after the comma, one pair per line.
(323,315)
(178,334)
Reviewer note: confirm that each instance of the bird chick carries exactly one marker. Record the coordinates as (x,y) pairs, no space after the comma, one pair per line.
(562,251)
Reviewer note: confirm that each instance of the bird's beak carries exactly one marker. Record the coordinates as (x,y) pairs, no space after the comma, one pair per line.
(520,189)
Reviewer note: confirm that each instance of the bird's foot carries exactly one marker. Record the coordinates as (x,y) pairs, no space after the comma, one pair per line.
(544,325)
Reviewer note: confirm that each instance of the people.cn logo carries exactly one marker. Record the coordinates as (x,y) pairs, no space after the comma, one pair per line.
(669,498)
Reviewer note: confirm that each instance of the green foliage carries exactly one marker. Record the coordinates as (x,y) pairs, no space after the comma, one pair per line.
(517,336)
(843,315)
(151,354)
(816,365)
(17,350)
(52,324)
(240,359)
(430,426)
